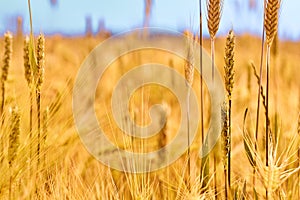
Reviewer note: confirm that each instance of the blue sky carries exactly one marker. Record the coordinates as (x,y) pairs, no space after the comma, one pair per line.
(68,16)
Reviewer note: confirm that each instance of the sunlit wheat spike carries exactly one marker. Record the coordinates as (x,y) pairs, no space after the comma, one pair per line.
(40,60)
(214,11)
(271,19)
(39,81)
(189,64)
(229,63)
(14,135)
(27,68)
(6,64)
(7,55)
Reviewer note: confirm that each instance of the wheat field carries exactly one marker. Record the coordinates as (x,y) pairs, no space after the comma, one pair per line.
(42,155)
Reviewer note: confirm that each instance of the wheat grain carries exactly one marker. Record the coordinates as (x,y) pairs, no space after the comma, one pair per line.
(189,64)
(271,19)
(40,61)
(27,68)
(229,63)
(214,11)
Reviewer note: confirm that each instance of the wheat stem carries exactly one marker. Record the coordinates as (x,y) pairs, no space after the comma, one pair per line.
(39,82)
(229,75)
(271,27)
(225,144)
(214,10)
(258,100)
(189,77)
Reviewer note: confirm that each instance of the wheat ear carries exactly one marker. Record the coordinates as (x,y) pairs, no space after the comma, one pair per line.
(229,81)
(29,79)
(6,64)
(39,81)
(214,10)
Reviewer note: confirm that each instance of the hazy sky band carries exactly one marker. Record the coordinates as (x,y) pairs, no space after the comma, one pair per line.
(68,16)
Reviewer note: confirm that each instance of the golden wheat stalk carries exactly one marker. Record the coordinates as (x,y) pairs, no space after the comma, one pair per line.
(29,79)
(39,81)
(201,69)
(189,77)
(27,68)
(189,64)
(214,11)
(225,143)
(271,27)
(258,99)
(202,167)
(6,65)
(229,81)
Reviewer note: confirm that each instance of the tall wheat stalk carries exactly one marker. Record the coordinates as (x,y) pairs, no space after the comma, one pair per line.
(201,74)
(214,10)
(29,79)
(39,81)
(189,77)
(204,169)
(6,64)
(271,26)
(229,75)
(225,144)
